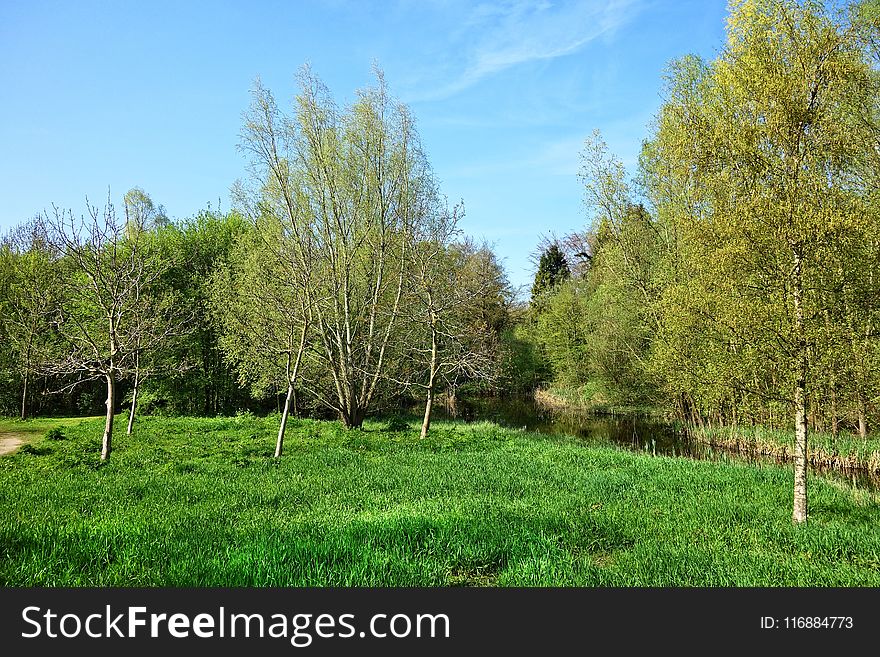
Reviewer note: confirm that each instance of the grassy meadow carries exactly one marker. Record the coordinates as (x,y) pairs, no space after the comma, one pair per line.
(200,502)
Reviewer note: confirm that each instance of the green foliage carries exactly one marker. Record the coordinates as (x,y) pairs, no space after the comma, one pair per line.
(757,183)
(396,423)
(256,309)
(28,297)
(597,328)
(552,271)
(564,332)
(523,366)
(196,379)
(346,193)
(770,256)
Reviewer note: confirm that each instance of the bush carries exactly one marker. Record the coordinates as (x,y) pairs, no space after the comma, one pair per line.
(396,423)
(56,433)
(27,448)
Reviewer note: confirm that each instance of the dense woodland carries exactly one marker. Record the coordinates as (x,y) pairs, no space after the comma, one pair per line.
(733,280)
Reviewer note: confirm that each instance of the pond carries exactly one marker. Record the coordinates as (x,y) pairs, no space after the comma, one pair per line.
(635,432)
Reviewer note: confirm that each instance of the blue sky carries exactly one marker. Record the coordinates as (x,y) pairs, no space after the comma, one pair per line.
(150,94)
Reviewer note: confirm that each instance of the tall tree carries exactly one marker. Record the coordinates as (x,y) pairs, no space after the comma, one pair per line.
(767,138)
(141,213)
(552,271)
(259,306)
(350,187)
(450,335)
(144,221)
(194,377)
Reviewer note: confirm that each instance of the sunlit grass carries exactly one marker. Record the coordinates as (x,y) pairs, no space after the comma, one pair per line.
(200,502)
(35,427)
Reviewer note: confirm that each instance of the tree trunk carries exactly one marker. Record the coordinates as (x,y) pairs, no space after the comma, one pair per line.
(134,397)
(351,413)
(134,393)
(452,402)
(279,444)
(106,444)
(291,394)
(353,418)
(811,414)
(863,416)
(24,392)
(832,384)
(799,511)
(426,423)
(835,424)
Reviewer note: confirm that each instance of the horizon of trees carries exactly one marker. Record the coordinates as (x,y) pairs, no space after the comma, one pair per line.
(341,282)
(732,281)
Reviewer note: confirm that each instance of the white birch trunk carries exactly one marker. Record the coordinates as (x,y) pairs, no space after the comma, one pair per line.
(134,393)
(106,443)
(799,511)
(279,444)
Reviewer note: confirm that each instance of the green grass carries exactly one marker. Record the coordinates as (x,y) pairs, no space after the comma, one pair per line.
(590,397)
(200,502)
(846,450)
(36,427)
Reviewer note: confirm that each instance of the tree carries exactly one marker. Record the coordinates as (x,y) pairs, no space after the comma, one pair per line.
(145,221)
(626,277)
(597,328)
(141,213)
(197,379)
(350,187)
(563,328)
(29,298)
(260,309)
(449,333)
(766,140)
(106,315)
(552,270)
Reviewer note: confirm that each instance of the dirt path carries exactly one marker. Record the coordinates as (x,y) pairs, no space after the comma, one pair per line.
(9,442)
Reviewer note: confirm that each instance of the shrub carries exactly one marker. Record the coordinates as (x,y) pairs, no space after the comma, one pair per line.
(396,423)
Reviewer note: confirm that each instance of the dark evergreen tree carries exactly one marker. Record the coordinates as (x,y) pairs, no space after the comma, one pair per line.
(552,270)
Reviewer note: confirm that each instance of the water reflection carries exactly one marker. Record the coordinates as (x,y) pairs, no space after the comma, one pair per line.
(638,433)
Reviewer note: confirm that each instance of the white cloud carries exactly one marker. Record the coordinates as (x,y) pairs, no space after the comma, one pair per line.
(493,38)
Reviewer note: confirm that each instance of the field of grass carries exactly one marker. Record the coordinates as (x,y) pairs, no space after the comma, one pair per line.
(200,502)
(844,451)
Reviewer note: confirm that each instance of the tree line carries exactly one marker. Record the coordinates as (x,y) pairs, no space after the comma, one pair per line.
(342,282)
(734,279)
